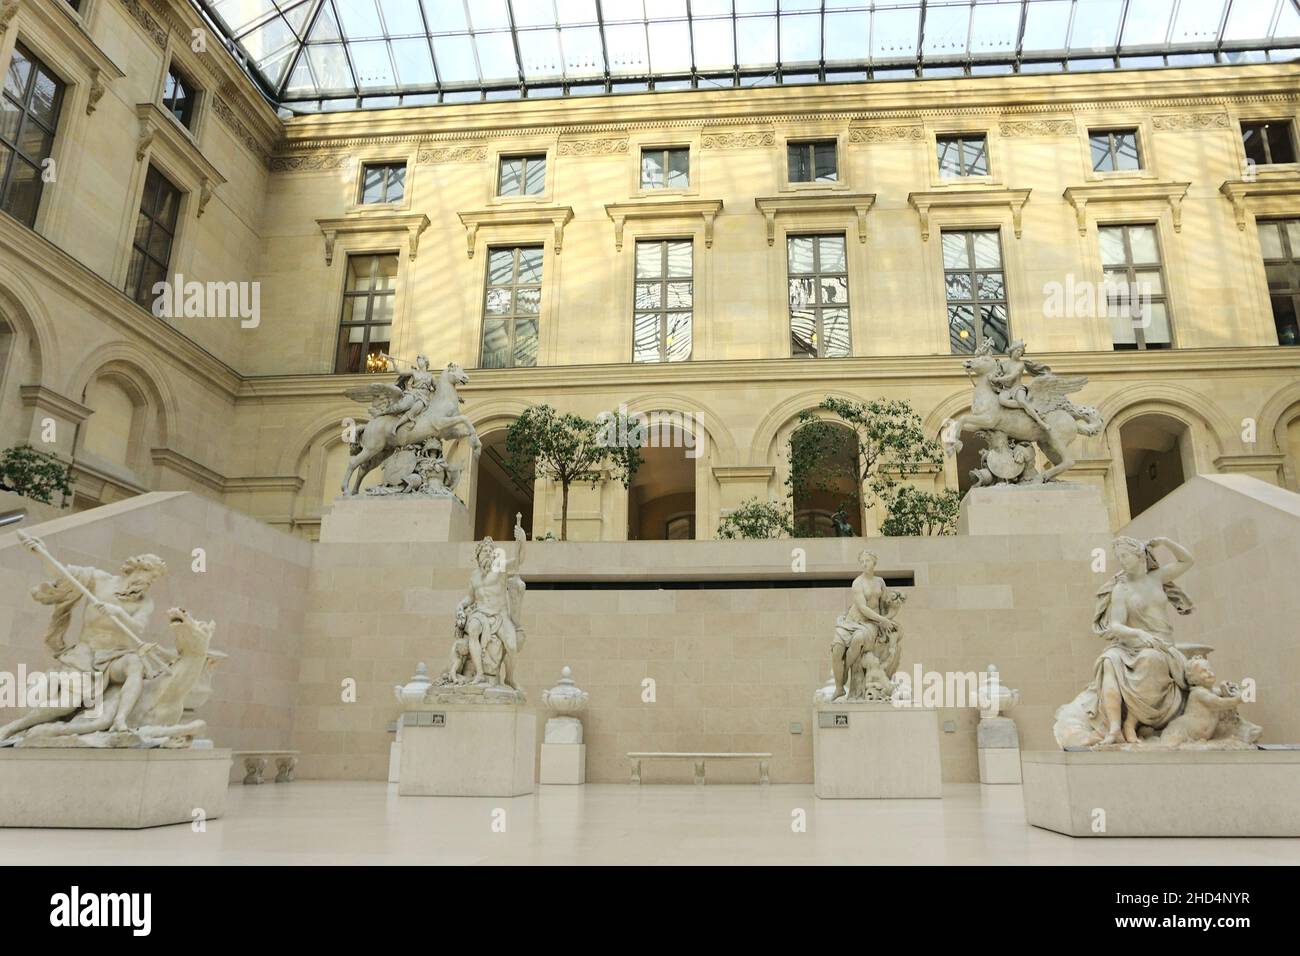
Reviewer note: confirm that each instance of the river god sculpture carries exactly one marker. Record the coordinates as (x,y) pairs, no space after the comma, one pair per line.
(867,645)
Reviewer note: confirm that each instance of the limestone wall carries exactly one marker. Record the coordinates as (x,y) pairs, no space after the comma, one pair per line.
(255,587)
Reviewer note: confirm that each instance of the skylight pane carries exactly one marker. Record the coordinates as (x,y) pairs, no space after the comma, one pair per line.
(613,10)
(946,31)
(788,6)
(1147,23)
(1047,23)
(373,67)
(414,65)
(756,41)
(326,28)
(238,14)
(330,67)
(576,11)
(995,28)
(714,44)
(265,41)
(402,17)
(710,8)
(755,6)
(1288,25)
(455,57)
(534,13)
(360,19)
(847,36)
(893,34)
(1249,20)
(583,55)
(488,15)
(1096,23)
(625,43)
(670,47)
(295,16)
(540,51)
(496,56)
(801,38)
(301,81)
(446,16)
(273,67)
(1198,23)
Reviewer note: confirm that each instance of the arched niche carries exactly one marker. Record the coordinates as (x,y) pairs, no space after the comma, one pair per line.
(838,489)
(499,494)
(662,497)
(1157,455)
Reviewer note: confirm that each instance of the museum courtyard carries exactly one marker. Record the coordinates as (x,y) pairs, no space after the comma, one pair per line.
(661,432)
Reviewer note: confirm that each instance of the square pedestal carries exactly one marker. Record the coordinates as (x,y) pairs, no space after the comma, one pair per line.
(1243,793)
(409,518)
(875,750)
(110,789)
(1057,507)
(563,763)
(468,750)
(999,765)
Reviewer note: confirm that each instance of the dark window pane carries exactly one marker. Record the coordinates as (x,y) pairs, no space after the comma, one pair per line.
(1284,317)
(824,162)
(1280,147)
(11,117)
(34,142)
(961,328)
(800,163)
(19,74)
(679,161)
(803,334)
(22,198)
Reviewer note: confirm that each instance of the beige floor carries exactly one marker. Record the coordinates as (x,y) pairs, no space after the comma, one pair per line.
(320,822)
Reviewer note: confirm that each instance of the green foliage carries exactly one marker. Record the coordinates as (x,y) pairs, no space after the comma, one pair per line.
(34,474)
(757,519)
(567,448)
(892,446)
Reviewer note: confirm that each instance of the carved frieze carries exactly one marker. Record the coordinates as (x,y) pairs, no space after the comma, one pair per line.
(1049,127)
(430,155)
(1185,121)
(738,139)
(310,163)
(592,147)
(886,134)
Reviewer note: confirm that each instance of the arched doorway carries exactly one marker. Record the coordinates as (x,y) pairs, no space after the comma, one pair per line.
(968,459)
(828,499)
(1157,459)
(661,497)
(499,494)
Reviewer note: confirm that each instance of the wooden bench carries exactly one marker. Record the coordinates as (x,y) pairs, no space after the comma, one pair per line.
(255,764)
(700,759)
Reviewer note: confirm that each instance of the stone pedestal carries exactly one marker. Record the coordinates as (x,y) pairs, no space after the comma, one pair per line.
(998,743)
(563,763)
(875,750)
(112,789)
(1240,793)
(468,750)
(408,518)
(1057,507)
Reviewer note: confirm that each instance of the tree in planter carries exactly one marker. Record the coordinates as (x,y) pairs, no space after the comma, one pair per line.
(755,519)
(34,474)
(892,446)
(567,448)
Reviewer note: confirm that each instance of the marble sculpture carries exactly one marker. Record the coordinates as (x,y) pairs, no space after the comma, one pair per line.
(867,645)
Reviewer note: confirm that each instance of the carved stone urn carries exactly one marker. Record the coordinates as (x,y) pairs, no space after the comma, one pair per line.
(1001,698)
(565,701)
(411,694)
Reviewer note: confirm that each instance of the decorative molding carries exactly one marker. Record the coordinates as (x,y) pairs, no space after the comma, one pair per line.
(148,133)
(707,209)
(855,204)
(206,191)
(429,156)
(413,225)
(248,483)
(592,147)
(148,22)
(1192,121)
(310,163)
(174,461)
(48,400)
(226,113)
(96,91)
(161,134)
(726,473)
(1250,464)
(8,9)
(554,216)
(924,202)
(738,139)
(1081,196)
(1044,127)
(1240,192)
(887,134)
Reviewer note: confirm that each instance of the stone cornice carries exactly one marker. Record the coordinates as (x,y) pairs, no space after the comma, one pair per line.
(174,461)
(1240,192)
(1080,197)
(726,473)
(48,400)
(924,202)
(855,204)
(557,217)
(914,369)
(160,133)
(706,209)
(412,225)
(265,483)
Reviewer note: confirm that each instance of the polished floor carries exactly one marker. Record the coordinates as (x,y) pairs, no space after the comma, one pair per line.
(323,822)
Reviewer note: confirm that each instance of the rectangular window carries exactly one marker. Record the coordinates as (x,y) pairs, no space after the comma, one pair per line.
(666,168)
(664,301)
(963,155)
(1136,299)
(29,115)
(522,175)
(155,232)
(812,162)
(511,305)
(1280,241)
(383,183)
(179,96)
(366,325)
(819,296)
(1268,143)
(1114,150)
(976,289)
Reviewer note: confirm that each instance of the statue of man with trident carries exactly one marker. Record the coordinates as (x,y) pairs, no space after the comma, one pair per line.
(118,608)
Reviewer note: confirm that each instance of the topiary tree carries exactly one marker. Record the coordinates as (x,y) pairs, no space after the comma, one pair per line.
(34,474)
(567,448)
(756,519)
(892,446)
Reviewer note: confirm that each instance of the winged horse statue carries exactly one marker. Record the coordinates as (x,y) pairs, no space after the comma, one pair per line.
(408,413)
(1038,412)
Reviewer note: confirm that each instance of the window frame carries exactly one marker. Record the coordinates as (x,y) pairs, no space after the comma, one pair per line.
(527,157)
(666,154)
(370,295)
(388,165)
(513,317)
(181,77)
(663,312)
(1110,132)
(974,272)
(962,137)
(1293,261)
(818,308)
(1130,275)
(143,296)
(811,143)
(1265,122)
(38,65)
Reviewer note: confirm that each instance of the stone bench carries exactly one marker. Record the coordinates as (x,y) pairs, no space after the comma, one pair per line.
(255,764)
(700,759)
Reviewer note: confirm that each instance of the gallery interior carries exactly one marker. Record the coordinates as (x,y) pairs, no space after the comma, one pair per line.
(681,431)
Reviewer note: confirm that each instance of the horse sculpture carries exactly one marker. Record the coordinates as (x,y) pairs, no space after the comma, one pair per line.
(1060,420)
(387,432)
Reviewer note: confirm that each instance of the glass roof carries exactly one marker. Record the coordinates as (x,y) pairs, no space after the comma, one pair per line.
(346,54)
